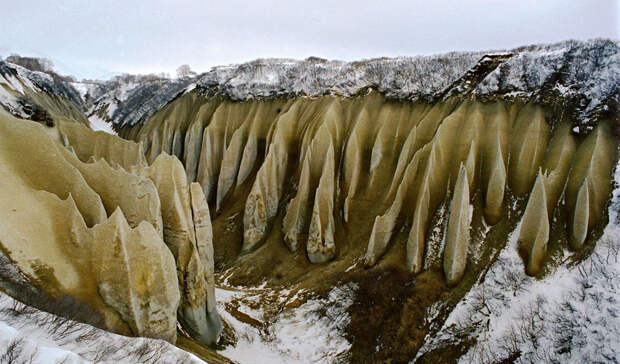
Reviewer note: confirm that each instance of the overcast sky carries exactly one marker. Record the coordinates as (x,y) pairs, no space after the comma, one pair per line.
(98,38)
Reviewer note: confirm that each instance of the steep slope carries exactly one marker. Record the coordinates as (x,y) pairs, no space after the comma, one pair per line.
(38,96)
(84,217)
(411,172)
(338,211)
(131,99)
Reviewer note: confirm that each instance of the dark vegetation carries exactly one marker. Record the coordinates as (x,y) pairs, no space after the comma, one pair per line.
(35,112)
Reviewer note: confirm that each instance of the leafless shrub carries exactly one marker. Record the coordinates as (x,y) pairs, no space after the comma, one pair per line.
(14,352)
(63,360)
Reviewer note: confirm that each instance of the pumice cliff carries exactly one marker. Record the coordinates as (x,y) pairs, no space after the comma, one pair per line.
(399,191)
(388,164)
(85,216)
(422,169)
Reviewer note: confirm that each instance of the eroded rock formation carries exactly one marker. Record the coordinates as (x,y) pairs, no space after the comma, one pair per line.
(301,173)
(83,216)
(326,164)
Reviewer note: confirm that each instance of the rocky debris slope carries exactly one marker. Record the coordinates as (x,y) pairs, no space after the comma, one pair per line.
(83,216)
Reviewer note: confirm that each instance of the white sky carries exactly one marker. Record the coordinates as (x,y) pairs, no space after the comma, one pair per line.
(96,38)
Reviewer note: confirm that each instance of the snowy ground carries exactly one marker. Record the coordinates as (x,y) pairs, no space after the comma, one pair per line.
(96,123)
(310,333)
(571,315)
(28,335)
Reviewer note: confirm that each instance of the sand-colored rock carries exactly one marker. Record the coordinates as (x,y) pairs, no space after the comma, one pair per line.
(457,238)
(126,274)
(394,163)
(534,233)
(494,199)
(385,225)
(527,148)
(594,161)
(169,177)
(204,243)
(321,245)
(88,144)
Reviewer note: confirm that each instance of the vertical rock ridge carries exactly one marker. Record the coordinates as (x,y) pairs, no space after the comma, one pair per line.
(168,175)
(384,225)
(534,233)
(527,148)
(457,238)
(594,162)
(204,245)
(494,199)
(321,246)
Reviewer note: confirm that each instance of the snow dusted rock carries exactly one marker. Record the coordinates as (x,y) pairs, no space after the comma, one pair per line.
(127,100)
(569,315)
(37,95)
(585,74)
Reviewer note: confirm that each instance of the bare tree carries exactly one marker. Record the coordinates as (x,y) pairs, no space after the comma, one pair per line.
(185,70)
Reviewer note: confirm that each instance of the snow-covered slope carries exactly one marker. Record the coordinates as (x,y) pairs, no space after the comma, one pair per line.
(28,335)
(313,332)
(26,94)
(129,99)
(569,316)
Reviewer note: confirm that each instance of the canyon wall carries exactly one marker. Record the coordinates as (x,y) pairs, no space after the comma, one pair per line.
(83,216)
(317,165)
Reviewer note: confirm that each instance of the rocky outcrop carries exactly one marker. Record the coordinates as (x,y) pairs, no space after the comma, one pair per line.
(38,96)
(375,149)
(179,234)
(588,186)
(83,216)
(457,237)
(534,233)
(331,163)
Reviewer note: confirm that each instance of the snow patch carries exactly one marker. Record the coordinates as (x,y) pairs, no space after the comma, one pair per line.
(96,123)
(310,333)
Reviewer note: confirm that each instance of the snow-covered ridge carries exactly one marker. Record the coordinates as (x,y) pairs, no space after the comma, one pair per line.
(132,100)
(19,80)
(586,74)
